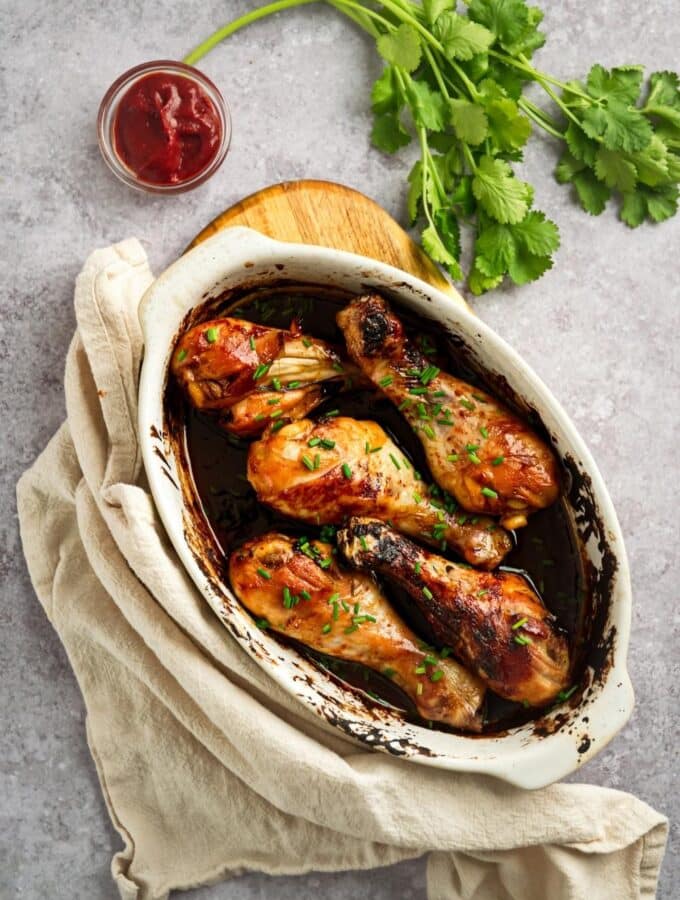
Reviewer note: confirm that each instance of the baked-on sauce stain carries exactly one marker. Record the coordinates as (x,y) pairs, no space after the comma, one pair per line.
(546,551)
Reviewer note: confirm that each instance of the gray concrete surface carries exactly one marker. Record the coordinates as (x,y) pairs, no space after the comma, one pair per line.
(601,329)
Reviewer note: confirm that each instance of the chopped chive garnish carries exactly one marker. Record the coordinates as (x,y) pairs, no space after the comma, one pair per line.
(467,404)
(471,447)
(182,355)
(419,688)
(420,670)
(565,695)
(293,384)
(484,591)
(262,624)
(428,431)
(417,568)
(498,461)
(346,471)
(417,391)
(452,457)
(373,449)
(350,629)
(436,675)
(520,623)
(305,595)
(484,433)
(259,417)
(386,381)
(314,442)
(326,444)
(356,608)
(287,598)
(261,370)
(277,425)
(326,628)
(362,541)
(427,592)
(251,341)
(389,672)
(325,563)
(489,492)
(445,652)
(317,460)
(417,498)
(264,573)
(306,461)
(422,411)
(306,342)
(334,597)
(333,412)
(338,367)
(405,404)
(395,461)
(336,611)
(211,335)
(439,393)
(431,660)
(462,519)
(273,402)
(522,640)
(428,374)
(345,606)
(276,414)
(276,383)
(474,459)
(479,397)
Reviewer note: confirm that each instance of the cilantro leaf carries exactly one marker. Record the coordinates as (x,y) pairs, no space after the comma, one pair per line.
(662,203)
(479,283)
(469,121)
(513,23)
(622,84)
(664,90)
(501,195)
(434,8)
(415,191)
(427,106)
(494,249)
(461,38)
(385,95)
(536,234)
(652,163)
(633,209)
(508,127)
(527,267)
(449,231)
(388,133)
(435,249)
(580,145)
(621,127)
(614,170)
(401,47)
(567,167)
(592,193)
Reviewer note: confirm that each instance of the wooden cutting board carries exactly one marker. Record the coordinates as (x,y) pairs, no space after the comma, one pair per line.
(332,215)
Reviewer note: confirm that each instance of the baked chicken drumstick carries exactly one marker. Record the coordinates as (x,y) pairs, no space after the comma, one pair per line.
(342,613)
(493,621)
(477,450)
(322,472)
(254,375)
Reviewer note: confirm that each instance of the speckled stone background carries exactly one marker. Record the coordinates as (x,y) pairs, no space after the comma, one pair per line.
(601,329)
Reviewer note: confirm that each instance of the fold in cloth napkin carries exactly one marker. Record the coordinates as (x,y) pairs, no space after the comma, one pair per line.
(207,766)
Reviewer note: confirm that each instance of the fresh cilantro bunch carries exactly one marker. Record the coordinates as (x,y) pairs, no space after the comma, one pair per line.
(453,80)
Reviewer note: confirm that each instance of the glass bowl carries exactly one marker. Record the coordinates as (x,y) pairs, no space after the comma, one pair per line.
(107,116)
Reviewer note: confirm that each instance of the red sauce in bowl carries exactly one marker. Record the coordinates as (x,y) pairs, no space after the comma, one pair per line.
(166,129)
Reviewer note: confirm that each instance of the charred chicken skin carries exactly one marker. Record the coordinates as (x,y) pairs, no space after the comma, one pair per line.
(494,623)
(253,375)
(322,472)
(343,614)
(477,450)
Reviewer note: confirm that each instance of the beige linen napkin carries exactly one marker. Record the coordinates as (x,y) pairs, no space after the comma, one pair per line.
(208,768)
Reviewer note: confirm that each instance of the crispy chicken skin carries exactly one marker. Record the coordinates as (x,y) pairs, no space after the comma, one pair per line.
(477,450)
(322,472)
(494,622)
(253,374)
(342,613)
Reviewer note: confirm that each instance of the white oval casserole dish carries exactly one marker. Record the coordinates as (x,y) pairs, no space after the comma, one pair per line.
(532,755)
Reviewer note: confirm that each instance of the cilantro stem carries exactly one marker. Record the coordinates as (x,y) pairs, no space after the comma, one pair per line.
(540,118)
(469,157)
(278,6)
(343,6)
